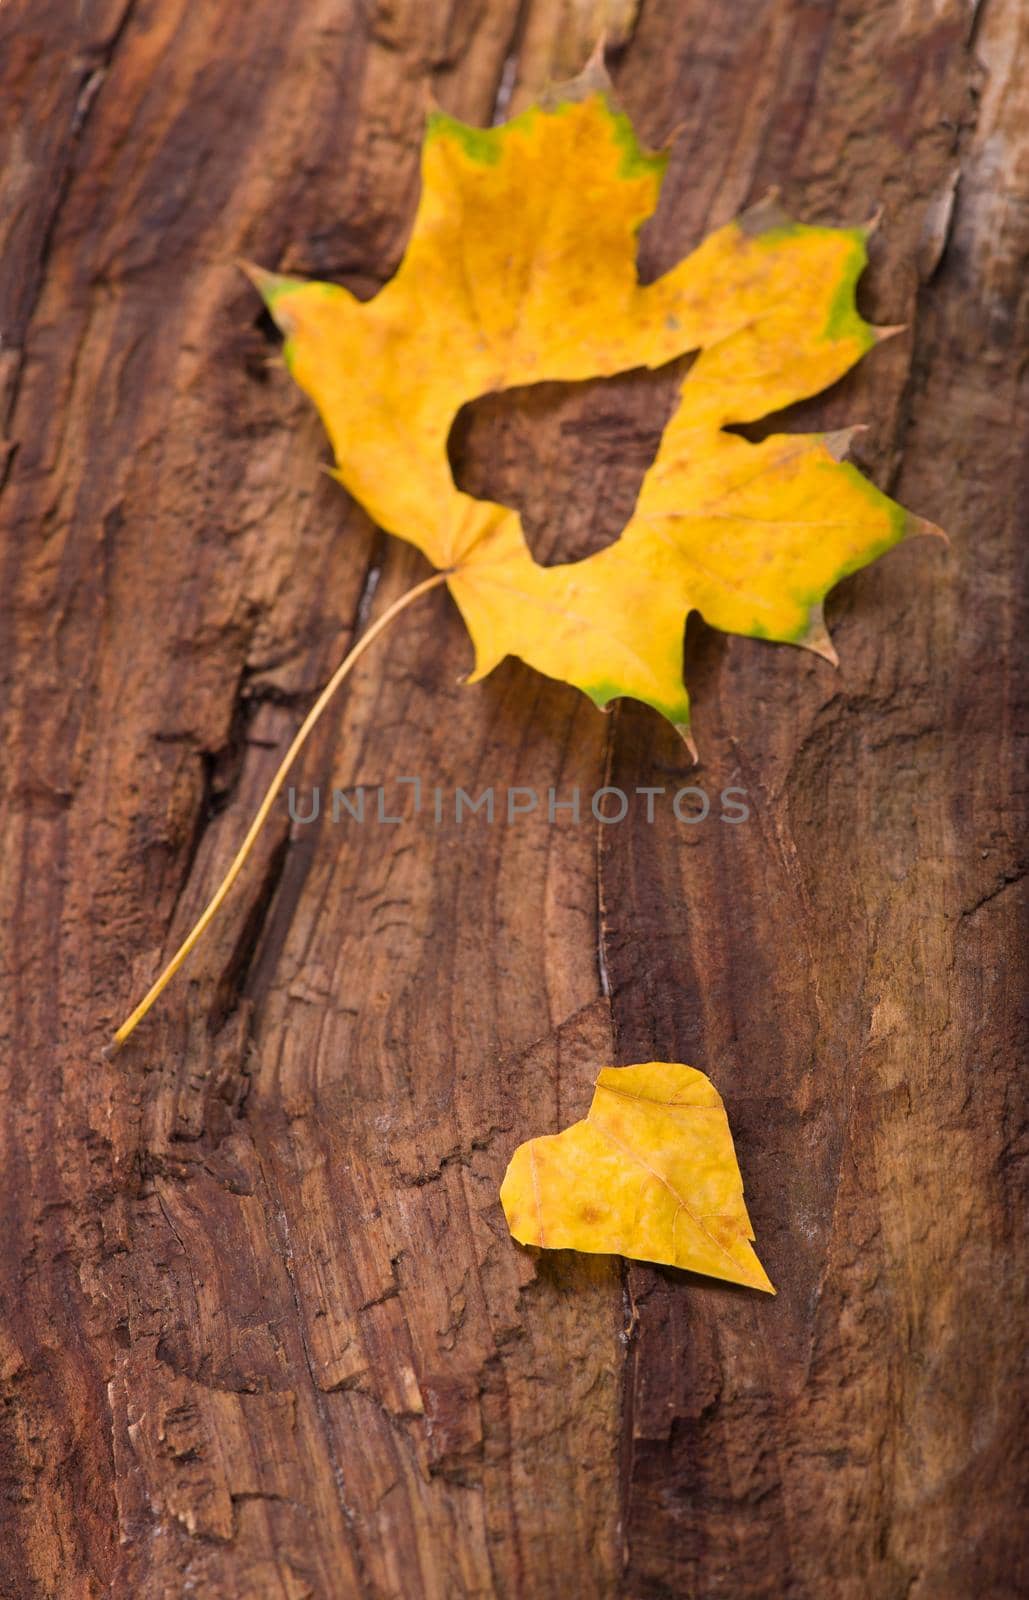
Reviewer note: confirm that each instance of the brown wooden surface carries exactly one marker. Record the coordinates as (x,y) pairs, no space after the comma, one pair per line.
(262,1330)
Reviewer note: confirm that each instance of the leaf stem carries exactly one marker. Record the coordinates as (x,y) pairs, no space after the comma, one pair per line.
(211,910)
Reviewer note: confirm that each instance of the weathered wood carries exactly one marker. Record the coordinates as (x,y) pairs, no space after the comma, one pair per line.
(262,1330)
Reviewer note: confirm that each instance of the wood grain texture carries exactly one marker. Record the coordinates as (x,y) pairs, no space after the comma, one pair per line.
(262,1330)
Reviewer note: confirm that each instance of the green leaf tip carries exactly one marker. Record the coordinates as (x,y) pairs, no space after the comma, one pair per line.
(270,285)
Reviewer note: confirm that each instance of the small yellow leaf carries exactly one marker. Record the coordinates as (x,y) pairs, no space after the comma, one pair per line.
(650,1173)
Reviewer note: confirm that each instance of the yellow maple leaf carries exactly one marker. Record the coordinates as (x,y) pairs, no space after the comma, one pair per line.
(650,1173)
(521,268)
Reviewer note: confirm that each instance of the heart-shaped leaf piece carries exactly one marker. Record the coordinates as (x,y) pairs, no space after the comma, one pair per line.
(650,1173)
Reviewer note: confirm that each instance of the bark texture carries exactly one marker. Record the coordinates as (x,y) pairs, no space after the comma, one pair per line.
(262,1330)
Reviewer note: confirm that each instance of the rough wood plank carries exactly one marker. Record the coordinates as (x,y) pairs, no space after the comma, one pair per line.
(262,1330)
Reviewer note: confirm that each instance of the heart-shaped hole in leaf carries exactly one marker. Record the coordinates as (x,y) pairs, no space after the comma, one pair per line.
(568,457)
